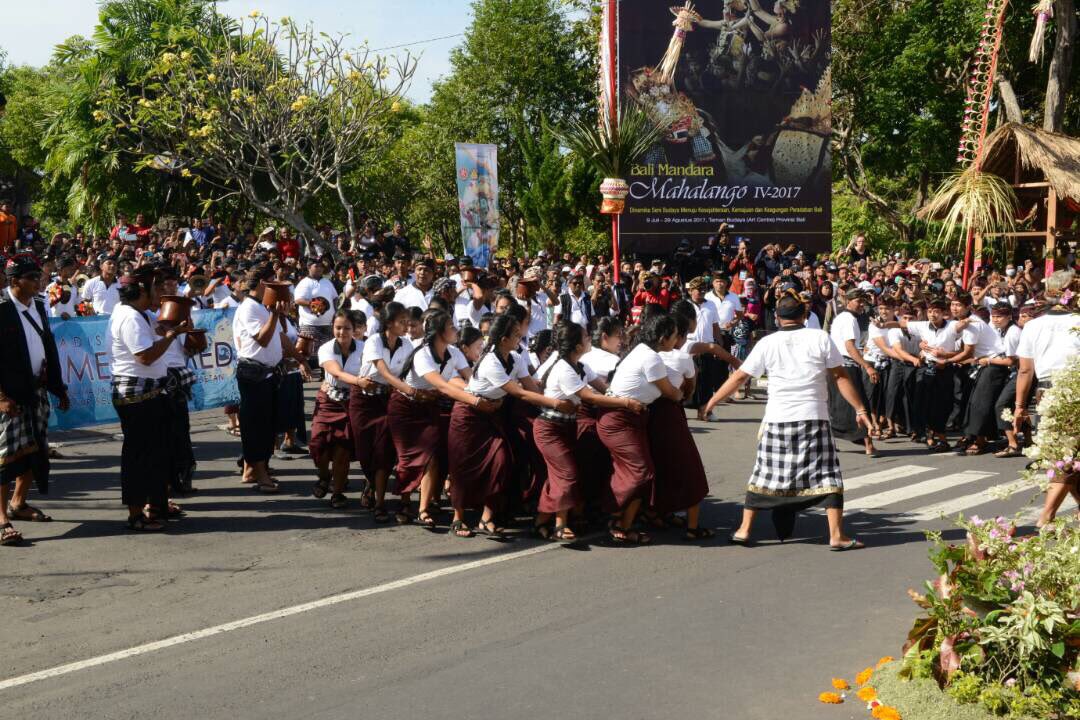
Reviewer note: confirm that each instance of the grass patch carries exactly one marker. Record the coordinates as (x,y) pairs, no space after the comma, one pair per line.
(921,699)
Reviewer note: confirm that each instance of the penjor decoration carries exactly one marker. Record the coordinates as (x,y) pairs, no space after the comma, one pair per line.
(685,17)
(1044,10)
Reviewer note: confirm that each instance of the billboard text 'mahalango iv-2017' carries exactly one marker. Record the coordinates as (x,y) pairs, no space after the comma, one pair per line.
(743,87)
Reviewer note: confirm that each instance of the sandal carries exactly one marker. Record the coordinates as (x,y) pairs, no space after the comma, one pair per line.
(380,515)
(142,523)
(974,449)
(623,536)
(541,531)
(489,528)
(321,487)
(235,432)
(367,499)
(28,513)
(338,501)
(403,516)
(564,534)
(849,545)
(268,488)
(9,535)
(1009,452)
(698,533)
(736,540)
(427,520)
(458,528)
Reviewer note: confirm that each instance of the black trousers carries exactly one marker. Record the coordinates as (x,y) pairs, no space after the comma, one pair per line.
(258,412)
(1006,400)
(980,420)
(706,380)
(962,387)
(290,408)
(933,398)
(146,459)
(876,393)
(183,453)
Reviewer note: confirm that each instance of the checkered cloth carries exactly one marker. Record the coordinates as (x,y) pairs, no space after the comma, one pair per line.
(179,380)
(128,390)
(335,393)
(796,459)
(23,434)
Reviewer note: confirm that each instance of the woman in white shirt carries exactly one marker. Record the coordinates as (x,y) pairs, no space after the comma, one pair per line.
(479,452)
(563,377)
(138,367)
(607,344)
(435,370)
(681,482)
(291,418)
(640,376)
(384,355)
(331,440)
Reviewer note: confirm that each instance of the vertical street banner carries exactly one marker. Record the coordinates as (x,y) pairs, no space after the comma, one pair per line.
(83,345)
(478,199)
(743,89)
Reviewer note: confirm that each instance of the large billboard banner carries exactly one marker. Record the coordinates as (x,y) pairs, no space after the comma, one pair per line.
(744,91)
(478,200)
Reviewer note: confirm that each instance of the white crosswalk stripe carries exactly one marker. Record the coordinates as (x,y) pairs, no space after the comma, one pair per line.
(901,471)
(889,498)
(950,508)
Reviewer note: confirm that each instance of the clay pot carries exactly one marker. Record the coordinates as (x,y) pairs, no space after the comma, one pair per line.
(196,341)
(175,309)
(305,345)
(275,292)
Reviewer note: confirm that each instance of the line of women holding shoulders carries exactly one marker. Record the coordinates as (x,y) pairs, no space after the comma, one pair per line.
(577,433)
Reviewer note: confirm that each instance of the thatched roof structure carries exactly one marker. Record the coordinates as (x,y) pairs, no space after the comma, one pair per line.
(1043,156)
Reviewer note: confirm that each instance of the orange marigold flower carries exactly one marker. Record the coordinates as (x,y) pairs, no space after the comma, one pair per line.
(840,684)
(885,660)
(867,694)
(830,698)
(864,677)
(884,712)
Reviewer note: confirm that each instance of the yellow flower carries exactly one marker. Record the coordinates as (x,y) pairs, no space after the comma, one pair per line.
(185,173)
(255,14)
(830,698)
(347,57)
(840,684)
(884,712)
(300,103)
(212,77)
(867,694)
(395,107)
(864,677)
(185,55)
(885,660)
(100,115)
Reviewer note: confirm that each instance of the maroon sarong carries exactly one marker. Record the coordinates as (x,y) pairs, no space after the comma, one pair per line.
(624,435)
(556,441)
(680,475)
(522,416)
(479,457)
(373,447)
(594,460)
(329,428)
(418,439)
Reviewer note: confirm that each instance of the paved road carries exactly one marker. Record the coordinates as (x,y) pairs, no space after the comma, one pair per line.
(437,627)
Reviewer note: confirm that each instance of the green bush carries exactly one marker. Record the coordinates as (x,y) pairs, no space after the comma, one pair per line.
(965,688)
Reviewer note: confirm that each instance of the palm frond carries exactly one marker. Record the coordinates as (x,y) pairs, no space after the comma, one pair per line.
(612,147)
(972,201)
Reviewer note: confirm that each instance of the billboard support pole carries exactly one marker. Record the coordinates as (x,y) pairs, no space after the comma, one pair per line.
(611,35)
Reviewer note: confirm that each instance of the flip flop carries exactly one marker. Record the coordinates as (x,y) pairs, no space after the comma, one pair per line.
(736,540)
(850,545)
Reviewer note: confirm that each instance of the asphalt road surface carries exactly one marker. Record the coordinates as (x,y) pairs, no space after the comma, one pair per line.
(279,607)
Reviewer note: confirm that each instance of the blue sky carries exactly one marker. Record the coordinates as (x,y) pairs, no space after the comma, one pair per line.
(32,28)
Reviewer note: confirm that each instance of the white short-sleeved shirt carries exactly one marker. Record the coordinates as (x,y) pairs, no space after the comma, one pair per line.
(102,298)
(132,332)
(1050,341)
(330,351)
(538,318)
(358,303)
(175,356)
(812,321)
(600,362)
(797,363)
(60,308)
(845,326)
(562,381)
(228,302)
(35,347)
(309,289)
(636,374)
(982,335)
(909,342)
(873,353)
(1009,342)
(375,349)
(706,318)
(424,362)
(411,296)
(465,311)
(521,365)
(489,377)
(247,323)
(725,307)
(944,337)
(679,364)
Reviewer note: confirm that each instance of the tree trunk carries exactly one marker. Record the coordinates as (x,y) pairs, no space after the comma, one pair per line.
(1008,99)
(350,214)
(1057,85)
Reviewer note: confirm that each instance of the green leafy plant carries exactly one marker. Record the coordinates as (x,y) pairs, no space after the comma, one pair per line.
(971,201)
(612,147)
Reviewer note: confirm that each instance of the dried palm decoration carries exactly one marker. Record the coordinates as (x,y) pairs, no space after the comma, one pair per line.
(685,17)
(971,202)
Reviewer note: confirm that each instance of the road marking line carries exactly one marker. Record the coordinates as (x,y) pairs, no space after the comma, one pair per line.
(884,476)
(884,499)
(267,617)
(949,508)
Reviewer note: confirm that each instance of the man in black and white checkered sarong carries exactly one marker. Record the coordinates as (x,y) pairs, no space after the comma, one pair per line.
(29,371)
(796,465)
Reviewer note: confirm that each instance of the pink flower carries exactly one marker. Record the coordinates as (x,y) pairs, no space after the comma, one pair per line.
(977,521)
(1050,473)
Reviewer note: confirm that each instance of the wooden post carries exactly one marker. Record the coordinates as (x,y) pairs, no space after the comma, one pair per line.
(1051,225)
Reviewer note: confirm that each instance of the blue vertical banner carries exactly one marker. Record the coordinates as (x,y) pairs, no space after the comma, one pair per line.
(478,199)
(83,345)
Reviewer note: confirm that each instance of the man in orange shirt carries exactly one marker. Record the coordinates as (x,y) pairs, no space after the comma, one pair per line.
(8,228)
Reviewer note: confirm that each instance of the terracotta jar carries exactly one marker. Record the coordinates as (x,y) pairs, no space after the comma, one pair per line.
(196,341)
(305,345)
(275,292)
(175,309)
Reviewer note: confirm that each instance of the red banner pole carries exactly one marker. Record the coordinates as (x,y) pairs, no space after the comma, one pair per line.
(610,27)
